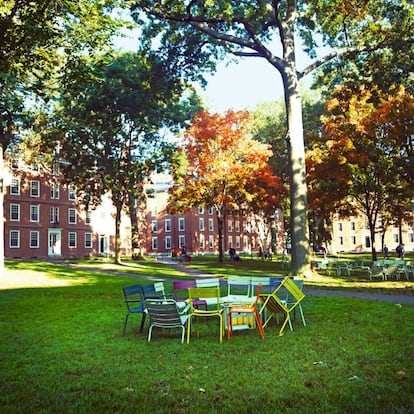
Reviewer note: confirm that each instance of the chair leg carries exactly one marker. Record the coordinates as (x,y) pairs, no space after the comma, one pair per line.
(142,322)
(259,324)
(125,324)
(229,325)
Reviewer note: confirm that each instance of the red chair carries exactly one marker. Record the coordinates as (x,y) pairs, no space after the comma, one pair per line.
(246,309)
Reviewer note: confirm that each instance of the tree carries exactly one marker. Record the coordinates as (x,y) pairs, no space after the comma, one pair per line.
(39,41)
(194,33)
(111,130)
(363,162)
(226,169)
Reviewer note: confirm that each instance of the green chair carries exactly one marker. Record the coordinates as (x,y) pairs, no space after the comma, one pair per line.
(273,304)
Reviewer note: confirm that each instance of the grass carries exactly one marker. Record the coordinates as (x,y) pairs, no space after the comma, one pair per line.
(62,352)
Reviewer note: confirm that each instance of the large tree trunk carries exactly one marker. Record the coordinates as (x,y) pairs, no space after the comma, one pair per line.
(118,206)
(300,264)
(220,224)
(135,241)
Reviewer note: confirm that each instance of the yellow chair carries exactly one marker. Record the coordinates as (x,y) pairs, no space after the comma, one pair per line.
(246,309)
(197,294)
(274,305)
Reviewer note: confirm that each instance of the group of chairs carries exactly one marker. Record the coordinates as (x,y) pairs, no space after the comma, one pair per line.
(257,300)
(387,269)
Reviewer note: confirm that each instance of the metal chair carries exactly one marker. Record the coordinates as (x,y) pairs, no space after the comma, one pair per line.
(164,313)
(134,300)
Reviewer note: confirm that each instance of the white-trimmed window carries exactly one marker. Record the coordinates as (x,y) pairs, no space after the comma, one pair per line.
(35,167)
(72,216)
(14,212)
(154,226)
(15,186)
(210,211)
(353,240)
(35,188)
(230,225)
(230,241)
(88,217)
(201,210)
(340,241)
(154,210)
(72,192)
(88,240)
(154,243)
(237,242)
(181,241)
(14,163)
(54,190)
(211,241)
(167,224)
(168,242)
(352,225)
(14,239)
(201,223)
(210,224)
(55,168)
(72,240)
(237,226)
(54,215)
(202,241)
(395,238)
(339,226)
(181,224)
(34,213)
(34,239)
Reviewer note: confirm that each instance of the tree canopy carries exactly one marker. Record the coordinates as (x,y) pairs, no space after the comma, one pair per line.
(225,168)
(193,34)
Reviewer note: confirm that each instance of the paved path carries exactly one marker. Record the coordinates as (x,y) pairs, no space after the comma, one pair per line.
(398,299)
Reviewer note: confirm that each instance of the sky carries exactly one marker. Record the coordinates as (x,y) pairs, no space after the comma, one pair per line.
(237,86)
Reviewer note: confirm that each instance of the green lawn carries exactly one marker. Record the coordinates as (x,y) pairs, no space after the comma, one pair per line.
(62,352)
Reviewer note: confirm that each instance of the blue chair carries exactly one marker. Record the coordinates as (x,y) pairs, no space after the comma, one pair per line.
(134,299)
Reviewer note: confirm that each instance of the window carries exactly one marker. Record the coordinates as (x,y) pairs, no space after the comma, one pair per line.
(35,188)
(14,212)
(211,241)
(353,240)
(210,224)
(237,242)
(168,242)
(201,224)
(339,226)
(87,217)
(367,241)
(395,238)
(202,241)
(14,163)
(35,167)
(230,241)
(167,224)
(154,210)
(14,239)
(154,226)
(54,191)
(71,192)
(34,239)
(201,210)
(210,211)
(88,240)
(181,222)
(340,241)
(72,240)
(411,237)
(34,213)
(237,225)
(352,225)
(154,243)
(230,225)
(181,241)
(15,186)
(54,215)
(72,216)
(55,168)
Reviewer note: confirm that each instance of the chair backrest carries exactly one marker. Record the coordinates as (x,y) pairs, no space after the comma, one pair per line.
(163,312)
(149,291)
(208,282)
(180,288)
(255,281)
(159,289)
(204,293)
(294,290)
(238,284)
(134,296)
